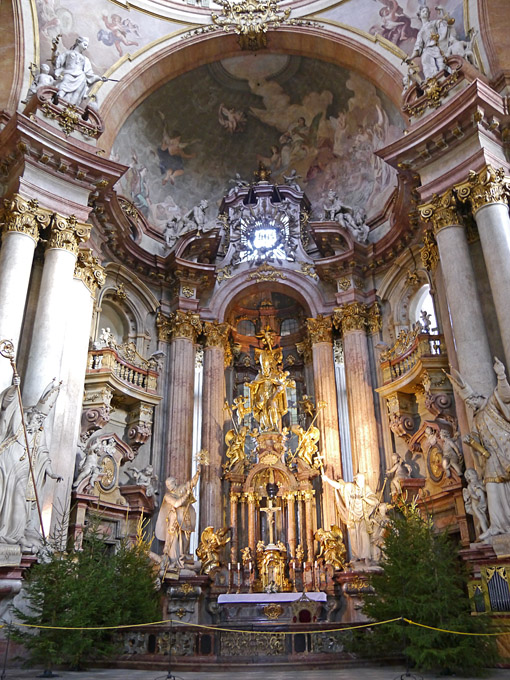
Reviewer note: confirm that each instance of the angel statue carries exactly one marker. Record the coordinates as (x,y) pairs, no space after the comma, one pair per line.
(41,78)
(332,548)
(490,439)
(208,551)
(176,520)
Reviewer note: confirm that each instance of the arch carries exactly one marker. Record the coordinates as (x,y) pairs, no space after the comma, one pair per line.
(178,57)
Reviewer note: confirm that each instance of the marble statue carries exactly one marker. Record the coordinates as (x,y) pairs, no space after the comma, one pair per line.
(19,519)
(292,180)
(42,78)
(398,471)
(332,548)
(194,219)
(146,479)
(490,439)
(106,339)
(475,499)
(208,551)
(410,78)
(307,444)
(380,522)
(425,321)
(176,519)
(348,218)
(74,74)
(90,467)
(461,48)
(357,503)
(432,33)
(239,183)
(452,455)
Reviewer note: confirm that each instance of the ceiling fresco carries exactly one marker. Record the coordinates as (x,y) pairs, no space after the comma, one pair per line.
(187,141)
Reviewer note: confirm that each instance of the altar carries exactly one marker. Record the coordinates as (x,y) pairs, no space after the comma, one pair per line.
(242,608)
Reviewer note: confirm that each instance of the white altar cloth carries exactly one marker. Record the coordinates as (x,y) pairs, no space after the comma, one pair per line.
(258,598)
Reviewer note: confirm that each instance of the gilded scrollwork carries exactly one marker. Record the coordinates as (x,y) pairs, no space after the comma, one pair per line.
(179,324)
(374,318)
(487,186)
(89,270)
(351,317)
(24,216)
(67,233)
(216,334)
(441,211)
(250,19)
(429,253)
(319,329)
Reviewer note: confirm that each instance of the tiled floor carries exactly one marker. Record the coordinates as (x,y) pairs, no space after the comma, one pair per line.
(364,673)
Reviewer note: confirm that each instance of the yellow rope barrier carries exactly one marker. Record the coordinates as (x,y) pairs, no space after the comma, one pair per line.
(254,632)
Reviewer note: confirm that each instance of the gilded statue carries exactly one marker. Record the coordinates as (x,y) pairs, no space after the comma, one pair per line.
(208,551)
(235,441)
(307,445)
(332,548)
(268,396)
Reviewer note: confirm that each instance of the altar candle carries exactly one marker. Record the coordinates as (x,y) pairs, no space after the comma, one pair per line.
(229,566)
(249,566)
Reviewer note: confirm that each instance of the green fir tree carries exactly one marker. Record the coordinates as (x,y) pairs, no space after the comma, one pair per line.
(423,581)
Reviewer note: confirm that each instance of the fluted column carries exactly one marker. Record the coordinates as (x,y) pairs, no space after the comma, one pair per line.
(88,277)
(22,220)
(472,345)
(213,398)
(353,320)
(488,193)
(320,333)
(182,329)
(53,305)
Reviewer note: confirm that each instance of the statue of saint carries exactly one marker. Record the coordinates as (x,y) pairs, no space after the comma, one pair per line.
(177,518)
(475,499)
(235,441)
(427,45)
(490,439)
(398,471)
(208,551)
(74,73)
(307,444)
(357,503)
(19,520)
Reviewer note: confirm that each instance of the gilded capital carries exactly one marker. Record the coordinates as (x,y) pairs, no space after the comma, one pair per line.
(483,188)
(67,233)
(304,349)
(351,317)
(24,216)
(89,270)
(216,334)
(374,318)
(429,253)
(179,324)
(319,329)
(441,211)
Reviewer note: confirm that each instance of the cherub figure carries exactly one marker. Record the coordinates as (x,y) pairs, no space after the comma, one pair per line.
(475,498)
(396,473)
(146,479)
(42,78)
(90,467)
(452,455)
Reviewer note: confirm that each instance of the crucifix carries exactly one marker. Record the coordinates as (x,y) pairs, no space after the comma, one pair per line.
(270,514)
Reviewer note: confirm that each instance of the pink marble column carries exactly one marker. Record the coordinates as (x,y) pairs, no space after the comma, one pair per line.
(320,333)
(213,399)
(182,329)
(353,319)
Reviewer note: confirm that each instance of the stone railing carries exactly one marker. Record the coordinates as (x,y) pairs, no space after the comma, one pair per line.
(410,348)
(108,360)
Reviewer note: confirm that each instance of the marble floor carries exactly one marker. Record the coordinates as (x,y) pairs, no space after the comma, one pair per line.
(362,673)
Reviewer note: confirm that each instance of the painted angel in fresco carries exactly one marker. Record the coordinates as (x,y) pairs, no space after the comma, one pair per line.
(117,32)
(231,120)
(395,26)
(172,153)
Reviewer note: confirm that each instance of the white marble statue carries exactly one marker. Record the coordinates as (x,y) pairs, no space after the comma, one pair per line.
(177,519)
(348,218)
(292,180)
(431,36)
(42,78)
(74,73)
(380,521)
(357,503)
(461,48)
(146,479)
(194,219)
(90,467)
(475,499)
(452,455)
(398,471)
(425,320)
(490,439)
(19,519)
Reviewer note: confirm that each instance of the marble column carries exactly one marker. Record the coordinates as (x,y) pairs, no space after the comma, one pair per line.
(310,552)
(320,333)
(353,320)
(213,399)
(88,277)
(471,342)
(53,305)
(22,220)
(488,193)
(182,329)
(252,509)
(234,543)
(291,523)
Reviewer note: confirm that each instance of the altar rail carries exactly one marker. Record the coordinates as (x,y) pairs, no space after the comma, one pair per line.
(406,353)
(107,360)
(188,647)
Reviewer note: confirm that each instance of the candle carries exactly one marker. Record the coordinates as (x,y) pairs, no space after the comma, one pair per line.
(229,566)
(249,566)
(238,566)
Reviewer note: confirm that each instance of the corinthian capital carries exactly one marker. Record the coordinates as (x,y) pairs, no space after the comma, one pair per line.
(89,270)
(374,318)
(216,334)
(483,188)
(67,234)
(24,216)
(319,329)
(441,211)
(351,317)
(178,325)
